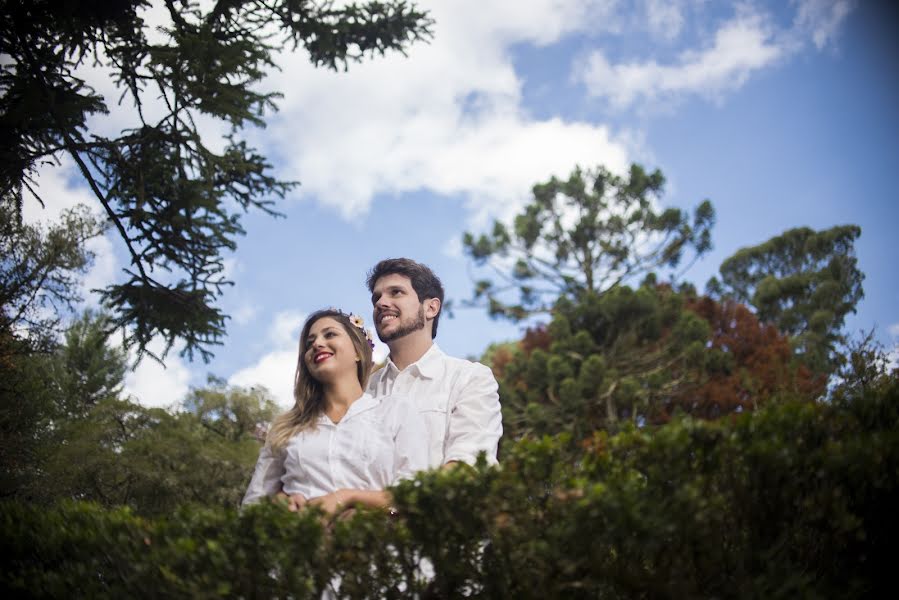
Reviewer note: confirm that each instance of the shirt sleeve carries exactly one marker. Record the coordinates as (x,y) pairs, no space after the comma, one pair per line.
(475,420)
(411,445)
(267,475)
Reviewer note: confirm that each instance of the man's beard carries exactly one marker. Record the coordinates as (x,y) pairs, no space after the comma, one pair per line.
(405,328)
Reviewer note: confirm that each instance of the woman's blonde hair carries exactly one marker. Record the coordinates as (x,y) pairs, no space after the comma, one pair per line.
(309,401)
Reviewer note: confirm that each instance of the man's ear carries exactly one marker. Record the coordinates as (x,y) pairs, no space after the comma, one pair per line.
(432,307)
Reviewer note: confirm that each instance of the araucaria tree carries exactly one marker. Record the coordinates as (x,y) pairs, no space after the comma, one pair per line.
(174,200)
(587,234)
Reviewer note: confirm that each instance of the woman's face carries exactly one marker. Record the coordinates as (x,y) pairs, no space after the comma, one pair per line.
(330,353)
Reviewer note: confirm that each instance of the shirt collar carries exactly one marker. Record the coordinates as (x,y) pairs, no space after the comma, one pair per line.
(429,366)
(365,403)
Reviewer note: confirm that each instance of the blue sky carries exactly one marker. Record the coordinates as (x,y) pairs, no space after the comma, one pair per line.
(783,114)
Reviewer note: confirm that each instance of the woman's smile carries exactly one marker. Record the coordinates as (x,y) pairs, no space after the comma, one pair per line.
(322,356)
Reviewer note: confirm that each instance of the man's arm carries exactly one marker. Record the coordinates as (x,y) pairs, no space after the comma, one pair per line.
(475,418)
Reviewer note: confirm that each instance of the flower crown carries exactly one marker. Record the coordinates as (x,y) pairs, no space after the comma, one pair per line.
(359,323)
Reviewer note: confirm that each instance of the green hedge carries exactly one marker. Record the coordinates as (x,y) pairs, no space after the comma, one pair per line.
(791,501)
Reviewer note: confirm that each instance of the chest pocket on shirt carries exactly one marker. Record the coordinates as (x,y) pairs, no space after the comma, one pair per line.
(434,410)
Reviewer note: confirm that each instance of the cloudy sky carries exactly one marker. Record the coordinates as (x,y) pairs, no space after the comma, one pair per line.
(783,114)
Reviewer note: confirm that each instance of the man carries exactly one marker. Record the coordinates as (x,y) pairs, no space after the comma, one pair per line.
(458,398)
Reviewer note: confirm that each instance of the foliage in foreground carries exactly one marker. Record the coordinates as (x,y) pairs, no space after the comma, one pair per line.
(794,500)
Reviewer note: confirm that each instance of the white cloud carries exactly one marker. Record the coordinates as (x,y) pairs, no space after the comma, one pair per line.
(448,118)
(103,270)
(231,267)
(380,352)
(821,19)
(453,247)
(892,359)
(741,46)
(285,328)
(894,330)
(245,313)
(665,18)
(154,385)
(55,186)
(275,369)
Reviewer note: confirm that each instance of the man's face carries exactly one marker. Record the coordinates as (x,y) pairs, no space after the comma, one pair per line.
(396,309)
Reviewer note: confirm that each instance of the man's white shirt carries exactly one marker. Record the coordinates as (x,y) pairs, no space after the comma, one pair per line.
(458,399)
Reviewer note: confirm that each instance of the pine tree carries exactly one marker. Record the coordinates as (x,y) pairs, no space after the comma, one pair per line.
(174,201)
(585,235)
(804,282)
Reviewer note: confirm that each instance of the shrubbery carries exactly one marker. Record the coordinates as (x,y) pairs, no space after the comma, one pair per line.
(794,500)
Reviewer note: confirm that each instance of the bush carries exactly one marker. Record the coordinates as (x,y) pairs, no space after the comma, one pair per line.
(794,500)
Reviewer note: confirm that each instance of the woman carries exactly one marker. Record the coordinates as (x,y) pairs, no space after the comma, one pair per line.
(338,446)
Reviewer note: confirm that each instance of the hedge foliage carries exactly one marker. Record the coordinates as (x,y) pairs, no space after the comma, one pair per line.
(794,500)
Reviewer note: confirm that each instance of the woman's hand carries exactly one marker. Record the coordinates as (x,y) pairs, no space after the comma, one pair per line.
(332,504)
(294,502)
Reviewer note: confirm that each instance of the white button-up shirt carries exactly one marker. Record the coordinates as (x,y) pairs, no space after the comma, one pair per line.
(458,399)
(377,442)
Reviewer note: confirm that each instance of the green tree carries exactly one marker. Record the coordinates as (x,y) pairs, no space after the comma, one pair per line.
(602,362)
(231,413)
(174,201)
(50,392)
(87,369)
(804,282)
(156,460)
(27,407)
(585,235)
(40,272)
(641,356)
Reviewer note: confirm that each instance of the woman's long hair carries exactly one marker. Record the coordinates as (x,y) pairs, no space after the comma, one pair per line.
(309,401)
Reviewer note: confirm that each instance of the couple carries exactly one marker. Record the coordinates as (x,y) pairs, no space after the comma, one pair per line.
(351,434)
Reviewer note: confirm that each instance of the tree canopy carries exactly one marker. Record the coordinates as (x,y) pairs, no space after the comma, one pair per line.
(40,271)
(586,234)
(612,353)
(804,282)
(174,201)
(70,432)
(641,356)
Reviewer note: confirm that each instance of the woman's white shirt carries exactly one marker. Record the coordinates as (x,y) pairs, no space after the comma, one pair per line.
(378,442)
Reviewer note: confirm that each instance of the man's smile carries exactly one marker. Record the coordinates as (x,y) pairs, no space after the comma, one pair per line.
(387,317)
